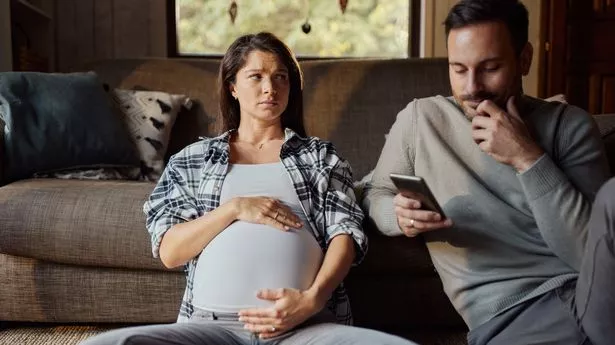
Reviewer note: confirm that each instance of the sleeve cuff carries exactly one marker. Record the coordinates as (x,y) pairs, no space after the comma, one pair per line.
(541,177)
(387,218)
(358,238)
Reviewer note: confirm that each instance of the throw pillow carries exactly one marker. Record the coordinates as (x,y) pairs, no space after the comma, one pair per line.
(149,117)
(557,98)
(60,121)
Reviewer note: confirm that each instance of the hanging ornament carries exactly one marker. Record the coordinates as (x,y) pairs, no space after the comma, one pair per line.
(343,4)
(306,27)
(232,11)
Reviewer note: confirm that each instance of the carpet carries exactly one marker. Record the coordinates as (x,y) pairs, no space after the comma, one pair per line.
(20,334)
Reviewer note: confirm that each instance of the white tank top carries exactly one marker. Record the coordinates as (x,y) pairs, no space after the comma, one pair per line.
(246,257)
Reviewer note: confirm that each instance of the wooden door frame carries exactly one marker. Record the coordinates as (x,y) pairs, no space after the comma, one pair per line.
(553,79)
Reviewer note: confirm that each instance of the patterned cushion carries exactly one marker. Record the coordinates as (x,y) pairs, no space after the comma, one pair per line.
(149,116)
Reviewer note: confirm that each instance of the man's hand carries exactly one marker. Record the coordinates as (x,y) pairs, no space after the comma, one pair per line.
(504,136)
(414,221)
(291,307)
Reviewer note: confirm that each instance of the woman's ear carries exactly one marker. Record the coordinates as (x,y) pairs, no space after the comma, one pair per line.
(231,88)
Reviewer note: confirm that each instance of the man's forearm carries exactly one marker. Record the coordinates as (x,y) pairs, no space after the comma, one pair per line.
(561,211)
(397,156)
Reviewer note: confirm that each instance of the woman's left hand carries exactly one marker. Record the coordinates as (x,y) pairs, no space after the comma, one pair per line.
(291,308)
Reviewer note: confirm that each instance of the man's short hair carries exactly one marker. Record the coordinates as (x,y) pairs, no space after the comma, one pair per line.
(510,12)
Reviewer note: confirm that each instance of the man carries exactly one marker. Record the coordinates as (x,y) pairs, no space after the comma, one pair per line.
(518,255)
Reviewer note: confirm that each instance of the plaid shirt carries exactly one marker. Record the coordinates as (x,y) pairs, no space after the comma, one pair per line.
(191,184)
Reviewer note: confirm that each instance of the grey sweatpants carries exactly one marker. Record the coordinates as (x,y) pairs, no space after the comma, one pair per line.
(203,330)
(579,313)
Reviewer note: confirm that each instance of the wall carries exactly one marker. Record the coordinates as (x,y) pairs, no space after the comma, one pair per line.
(6,59)
(434,43)
(106,29)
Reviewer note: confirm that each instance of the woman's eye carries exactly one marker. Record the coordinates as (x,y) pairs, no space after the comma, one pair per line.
(281,77)
(254,76)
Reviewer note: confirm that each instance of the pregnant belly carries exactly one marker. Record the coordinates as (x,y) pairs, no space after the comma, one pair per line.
(247,257)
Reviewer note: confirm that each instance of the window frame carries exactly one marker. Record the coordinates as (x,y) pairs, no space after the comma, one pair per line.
(414,36)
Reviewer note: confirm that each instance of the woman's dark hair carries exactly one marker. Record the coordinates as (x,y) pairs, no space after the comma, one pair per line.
(510,12)
(234,60)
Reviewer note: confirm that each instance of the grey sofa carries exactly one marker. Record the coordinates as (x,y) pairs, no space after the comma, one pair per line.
(78,251)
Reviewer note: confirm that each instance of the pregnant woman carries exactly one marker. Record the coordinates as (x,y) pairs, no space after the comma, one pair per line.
(263,218)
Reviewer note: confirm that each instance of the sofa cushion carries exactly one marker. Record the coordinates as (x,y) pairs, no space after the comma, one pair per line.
(57,121)
(149,116)
(41,291)
(98,223)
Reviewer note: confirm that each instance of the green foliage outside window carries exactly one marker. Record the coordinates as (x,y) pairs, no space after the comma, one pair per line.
(368,28)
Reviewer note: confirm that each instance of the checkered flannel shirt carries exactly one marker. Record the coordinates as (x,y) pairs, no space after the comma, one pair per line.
(191,184)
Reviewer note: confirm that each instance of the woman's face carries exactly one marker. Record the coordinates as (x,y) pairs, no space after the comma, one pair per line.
(262,87)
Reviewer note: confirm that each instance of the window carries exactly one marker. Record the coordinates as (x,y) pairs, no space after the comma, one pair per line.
(367,28)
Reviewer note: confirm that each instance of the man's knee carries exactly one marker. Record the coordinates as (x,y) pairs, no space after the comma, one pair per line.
(603,214)
(606,196)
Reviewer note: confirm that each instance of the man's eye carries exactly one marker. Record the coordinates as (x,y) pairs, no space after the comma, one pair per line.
(459,71)
(492,68)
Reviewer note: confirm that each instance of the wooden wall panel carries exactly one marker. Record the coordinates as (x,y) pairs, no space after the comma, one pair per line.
(103,29)
(585,68)
(591,40)
(608,95)
(158,27)
(6,56)
(107,29)
(66,29)
(131,34)
(84,19)
(609,6)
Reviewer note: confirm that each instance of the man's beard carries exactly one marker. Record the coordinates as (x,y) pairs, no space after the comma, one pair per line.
(470,111)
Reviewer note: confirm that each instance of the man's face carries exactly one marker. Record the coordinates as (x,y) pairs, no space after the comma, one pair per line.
(483,65)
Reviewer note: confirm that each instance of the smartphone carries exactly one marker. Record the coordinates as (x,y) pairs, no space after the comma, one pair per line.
(416,188)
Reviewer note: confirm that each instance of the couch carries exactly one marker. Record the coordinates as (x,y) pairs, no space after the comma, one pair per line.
(77,250)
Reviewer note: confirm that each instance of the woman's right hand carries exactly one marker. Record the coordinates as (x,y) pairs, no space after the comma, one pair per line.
(267,211)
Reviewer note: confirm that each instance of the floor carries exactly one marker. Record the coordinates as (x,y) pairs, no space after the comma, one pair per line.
(12,333)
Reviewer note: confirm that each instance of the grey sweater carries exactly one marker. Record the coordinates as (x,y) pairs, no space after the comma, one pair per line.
(515,236)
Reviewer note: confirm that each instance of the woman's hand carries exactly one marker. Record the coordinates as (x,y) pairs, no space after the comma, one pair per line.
(291,308)
(267,211)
